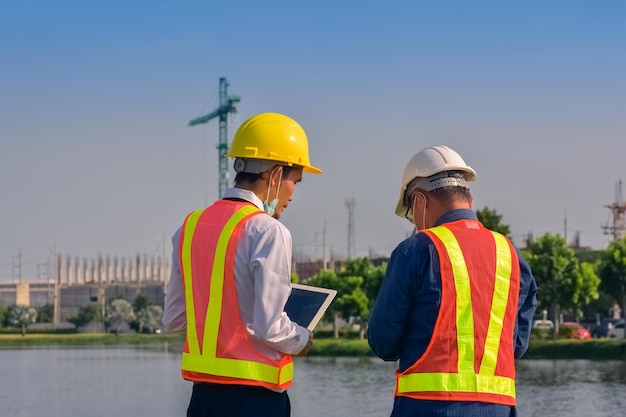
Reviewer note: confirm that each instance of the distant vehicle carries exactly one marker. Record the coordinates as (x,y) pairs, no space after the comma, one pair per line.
(578,332)
(543,324)
(602,329)
(617,332)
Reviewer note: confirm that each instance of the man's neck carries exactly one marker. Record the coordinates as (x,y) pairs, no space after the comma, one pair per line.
(256,188)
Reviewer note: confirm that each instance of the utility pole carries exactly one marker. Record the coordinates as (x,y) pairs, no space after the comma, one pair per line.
(57,291)
(324,246)
(17,266)
(617,227)
(324,254)
(228,104)
(350,203)
(565,226)
(42,270)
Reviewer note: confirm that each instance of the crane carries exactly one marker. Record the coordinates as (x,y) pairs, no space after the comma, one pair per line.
(228,104)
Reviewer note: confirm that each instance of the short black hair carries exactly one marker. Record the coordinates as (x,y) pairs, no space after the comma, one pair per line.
(250,178)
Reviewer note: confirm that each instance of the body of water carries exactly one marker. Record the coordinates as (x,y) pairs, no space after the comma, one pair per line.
(145,381)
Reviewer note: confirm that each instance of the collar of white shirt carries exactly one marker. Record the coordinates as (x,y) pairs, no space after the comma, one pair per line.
(244,195)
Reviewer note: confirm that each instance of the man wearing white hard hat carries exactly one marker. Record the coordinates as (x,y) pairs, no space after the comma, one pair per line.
(456,304)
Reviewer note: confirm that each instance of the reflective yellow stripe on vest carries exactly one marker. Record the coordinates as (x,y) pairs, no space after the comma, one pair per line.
(194,361)
(498,305)
(466,380)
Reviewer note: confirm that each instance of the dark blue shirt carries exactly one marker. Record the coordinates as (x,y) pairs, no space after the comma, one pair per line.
(404,315)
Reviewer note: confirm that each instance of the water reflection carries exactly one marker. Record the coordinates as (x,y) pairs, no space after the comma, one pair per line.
(565,372)
(345,387)
(145,381)
(571,388)
(342,387)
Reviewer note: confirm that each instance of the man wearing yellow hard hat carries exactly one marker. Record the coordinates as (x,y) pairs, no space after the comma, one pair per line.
(231,279)
(457,300)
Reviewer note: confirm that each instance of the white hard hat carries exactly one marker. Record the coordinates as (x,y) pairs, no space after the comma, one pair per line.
(428,162)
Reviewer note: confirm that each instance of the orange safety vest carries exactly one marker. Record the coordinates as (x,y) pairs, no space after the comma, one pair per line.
(470,356)
(218,347)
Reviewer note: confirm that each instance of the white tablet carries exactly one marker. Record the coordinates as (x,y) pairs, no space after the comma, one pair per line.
(307,304)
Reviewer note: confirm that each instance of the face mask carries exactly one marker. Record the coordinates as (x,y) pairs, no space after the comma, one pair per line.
(270,207)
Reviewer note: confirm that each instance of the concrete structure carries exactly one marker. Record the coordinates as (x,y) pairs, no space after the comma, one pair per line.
(79,282)
(34,294)
(72,297)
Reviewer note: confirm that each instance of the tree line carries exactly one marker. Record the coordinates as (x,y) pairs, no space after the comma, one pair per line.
(141,316)
(571,281)
(581,284)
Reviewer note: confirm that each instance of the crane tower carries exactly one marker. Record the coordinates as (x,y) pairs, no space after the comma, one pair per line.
(228,104)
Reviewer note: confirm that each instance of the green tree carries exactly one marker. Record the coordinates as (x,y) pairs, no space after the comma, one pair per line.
(591,256)
(372,278)
(86,314)
(45,313)
(140,303)
(355,303)
(353,283)
(149,318)
(7,313)
(599,306)
(327,278)
(587,283)
(493,221)
(22,316)
(604,301)
(3,314)
(118,312)
(563,282)
(612,271)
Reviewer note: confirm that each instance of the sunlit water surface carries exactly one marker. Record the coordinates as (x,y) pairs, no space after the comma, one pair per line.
(145,381)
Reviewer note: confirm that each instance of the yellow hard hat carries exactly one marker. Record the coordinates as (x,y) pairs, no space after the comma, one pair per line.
(273,137)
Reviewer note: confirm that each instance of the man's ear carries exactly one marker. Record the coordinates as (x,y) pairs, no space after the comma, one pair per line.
(272,176)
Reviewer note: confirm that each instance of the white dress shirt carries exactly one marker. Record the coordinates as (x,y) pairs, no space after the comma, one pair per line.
(262,279)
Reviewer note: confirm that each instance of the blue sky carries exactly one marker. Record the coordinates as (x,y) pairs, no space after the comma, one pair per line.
(95,97)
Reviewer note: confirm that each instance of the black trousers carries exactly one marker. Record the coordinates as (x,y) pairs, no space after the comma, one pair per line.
(221,400)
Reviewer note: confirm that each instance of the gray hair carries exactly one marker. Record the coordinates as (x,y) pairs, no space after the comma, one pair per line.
(436,181)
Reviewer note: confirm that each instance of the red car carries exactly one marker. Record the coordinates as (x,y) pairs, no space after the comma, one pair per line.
(578,332)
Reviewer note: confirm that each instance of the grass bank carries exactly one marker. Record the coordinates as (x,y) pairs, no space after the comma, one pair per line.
(340,347)
(85,339)
(577,349)
(539,349)
(560,349)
